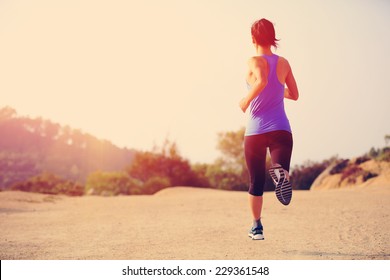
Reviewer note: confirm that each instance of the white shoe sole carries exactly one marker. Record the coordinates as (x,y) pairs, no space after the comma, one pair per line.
(283,189)
(256,236)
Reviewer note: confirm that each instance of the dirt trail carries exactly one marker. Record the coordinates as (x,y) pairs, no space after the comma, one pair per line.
(191,223)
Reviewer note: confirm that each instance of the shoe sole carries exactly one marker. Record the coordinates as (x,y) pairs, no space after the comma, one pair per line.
(283,189)
(256,236)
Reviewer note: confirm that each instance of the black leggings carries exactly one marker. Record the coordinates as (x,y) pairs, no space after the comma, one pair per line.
(280,144)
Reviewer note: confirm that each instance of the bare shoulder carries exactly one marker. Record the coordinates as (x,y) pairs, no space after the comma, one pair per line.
(257,61)
(283,62)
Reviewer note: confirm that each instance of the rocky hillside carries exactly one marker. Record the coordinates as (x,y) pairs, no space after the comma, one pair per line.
(358,172)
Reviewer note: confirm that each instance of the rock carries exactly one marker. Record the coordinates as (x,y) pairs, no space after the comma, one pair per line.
(354,173)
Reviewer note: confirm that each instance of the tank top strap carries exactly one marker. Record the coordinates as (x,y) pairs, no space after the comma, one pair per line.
(272,61)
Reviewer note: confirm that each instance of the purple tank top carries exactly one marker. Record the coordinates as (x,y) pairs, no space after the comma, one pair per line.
(267,109)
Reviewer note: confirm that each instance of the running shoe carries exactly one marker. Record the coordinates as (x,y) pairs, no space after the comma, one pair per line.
(283,189)
(256,233)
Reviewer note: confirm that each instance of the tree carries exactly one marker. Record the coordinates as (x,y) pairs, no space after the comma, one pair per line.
(29,147)
(163,163)
(231,146)
(229,170)
(222,176)
(7,113)
(155,184)
(201,173)
(387,139)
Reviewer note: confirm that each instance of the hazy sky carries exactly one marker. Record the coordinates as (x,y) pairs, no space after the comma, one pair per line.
(136,72)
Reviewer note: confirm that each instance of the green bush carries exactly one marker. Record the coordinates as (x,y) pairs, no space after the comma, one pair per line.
(166,163)
(225,179)
(48,183)
(382,154)
(112,183)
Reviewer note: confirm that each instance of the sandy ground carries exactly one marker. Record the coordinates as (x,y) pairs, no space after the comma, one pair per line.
(189,223)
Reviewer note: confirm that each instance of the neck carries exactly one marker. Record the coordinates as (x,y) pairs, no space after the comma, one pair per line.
(260,50)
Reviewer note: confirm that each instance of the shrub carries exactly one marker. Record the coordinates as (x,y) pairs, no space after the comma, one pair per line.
(362,159)
(112,183)
(339,167)
(155,184)
(48,183)
(352,172)
(303,176)
(382,154)
(167,163)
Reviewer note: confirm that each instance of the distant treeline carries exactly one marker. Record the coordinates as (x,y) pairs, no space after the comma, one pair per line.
(30,147)
(40,156)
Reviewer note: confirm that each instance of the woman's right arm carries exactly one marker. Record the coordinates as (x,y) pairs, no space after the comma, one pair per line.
(291,92)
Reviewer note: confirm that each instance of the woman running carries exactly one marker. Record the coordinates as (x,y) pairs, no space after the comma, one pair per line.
(268,126)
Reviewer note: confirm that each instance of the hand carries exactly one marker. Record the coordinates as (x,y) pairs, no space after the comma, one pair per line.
(244,104)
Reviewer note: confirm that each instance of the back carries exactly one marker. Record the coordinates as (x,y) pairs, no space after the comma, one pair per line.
(267,109)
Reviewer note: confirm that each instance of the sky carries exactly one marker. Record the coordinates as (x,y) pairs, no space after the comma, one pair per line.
(138,72)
